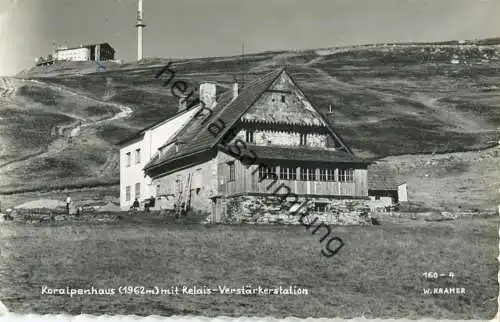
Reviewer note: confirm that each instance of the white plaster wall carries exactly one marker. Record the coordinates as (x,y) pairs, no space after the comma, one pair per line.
(129,176)
(158,135)
(402,193)
(153,138)
(76,54)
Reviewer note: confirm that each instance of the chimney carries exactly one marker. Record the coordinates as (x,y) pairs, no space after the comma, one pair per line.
(330,116)
(207,94)
(235,90)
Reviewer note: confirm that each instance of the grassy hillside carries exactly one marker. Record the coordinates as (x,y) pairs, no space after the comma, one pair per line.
(378,274)
(388,100)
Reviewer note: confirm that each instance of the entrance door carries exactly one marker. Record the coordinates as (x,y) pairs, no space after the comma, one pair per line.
(214,210)
(219,210)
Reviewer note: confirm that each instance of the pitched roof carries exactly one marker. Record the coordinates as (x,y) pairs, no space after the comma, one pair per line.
(195,136)
(381,177)
(304,154)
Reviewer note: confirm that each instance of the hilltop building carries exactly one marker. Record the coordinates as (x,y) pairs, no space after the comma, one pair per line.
(186,161)
(93,52)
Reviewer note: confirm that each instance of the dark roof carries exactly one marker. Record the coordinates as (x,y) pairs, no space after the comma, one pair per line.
(188,133)
(381,177)
(196,137)
(303,154)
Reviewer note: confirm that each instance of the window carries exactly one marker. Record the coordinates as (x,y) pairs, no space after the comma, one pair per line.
(326,174)
(262,172)
(197,179)
(137,190)
(127,159)
(288,173)
(330,174)
(231,171)
(127,193)
(320,206)
(157,189)
(249,136)
(177,186)
(303,174)
(282,98)
(346,175)
(322,174)
(271,173)
(303,139)
(307,174)
(138,156)
(311,175)
(267,172)
(283,173)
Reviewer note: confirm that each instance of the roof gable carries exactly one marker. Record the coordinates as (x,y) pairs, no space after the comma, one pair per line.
(283,102)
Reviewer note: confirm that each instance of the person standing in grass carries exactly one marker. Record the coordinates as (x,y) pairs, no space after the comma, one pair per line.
(135,205)
(68,203)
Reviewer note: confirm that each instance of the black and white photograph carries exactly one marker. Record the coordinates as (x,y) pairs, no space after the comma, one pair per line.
(249,160)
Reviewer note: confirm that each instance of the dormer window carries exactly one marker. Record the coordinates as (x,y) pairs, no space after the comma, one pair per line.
(303,139)
(249,136)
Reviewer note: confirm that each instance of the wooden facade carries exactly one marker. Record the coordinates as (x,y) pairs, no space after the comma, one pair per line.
(247,180)
(294,142)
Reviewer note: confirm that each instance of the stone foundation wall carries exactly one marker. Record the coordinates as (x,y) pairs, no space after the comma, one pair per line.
(269,210)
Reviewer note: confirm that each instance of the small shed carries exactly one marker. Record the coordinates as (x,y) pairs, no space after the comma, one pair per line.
(383,188)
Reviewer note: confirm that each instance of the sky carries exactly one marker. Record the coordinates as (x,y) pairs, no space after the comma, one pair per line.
(200,28)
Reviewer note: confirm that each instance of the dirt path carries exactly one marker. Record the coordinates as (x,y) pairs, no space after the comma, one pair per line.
(71,130)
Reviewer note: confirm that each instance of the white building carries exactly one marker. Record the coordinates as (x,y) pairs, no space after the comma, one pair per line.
(137,151)
(75,54)
(94,52)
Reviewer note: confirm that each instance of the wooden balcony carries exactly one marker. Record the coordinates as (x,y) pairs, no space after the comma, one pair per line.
(296,186)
